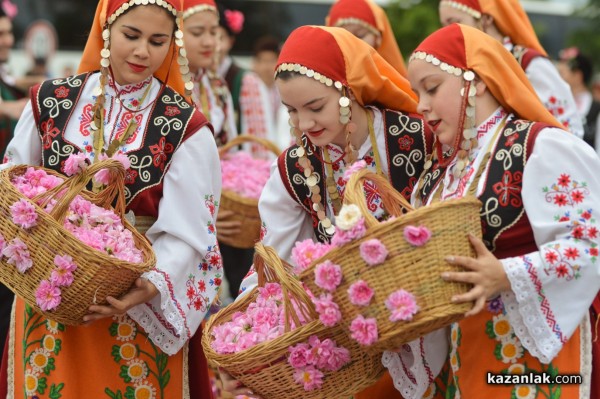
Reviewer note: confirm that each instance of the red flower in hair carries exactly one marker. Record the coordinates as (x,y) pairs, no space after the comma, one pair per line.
(235,20)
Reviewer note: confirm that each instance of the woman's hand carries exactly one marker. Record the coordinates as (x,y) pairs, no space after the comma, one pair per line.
(142,291)
(235,387)
(486,273)
(226,227)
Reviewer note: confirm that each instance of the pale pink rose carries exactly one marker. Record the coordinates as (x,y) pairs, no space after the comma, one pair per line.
(373,252)
(342,237)
(417,236)
(402,305)
(23,214)
(364,331)
(328,310)
(339,357)
(47,296)
(18,255)
(2,244)
(355,167)
(243,174)
(75,163)
(299,355)
(307,251)
(360,293)
(328,275)
(310,377)
(103,176)
(62,276)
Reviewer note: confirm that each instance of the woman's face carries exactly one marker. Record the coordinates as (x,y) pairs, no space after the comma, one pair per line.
(450,15)
(200,38)
(314,109)
(364,34)
(439,98)
(139,43)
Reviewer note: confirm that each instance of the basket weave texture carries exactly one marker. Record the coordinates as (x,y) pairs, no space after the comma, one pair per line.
(98,274)
(264,368)
(415,269)
(245,209)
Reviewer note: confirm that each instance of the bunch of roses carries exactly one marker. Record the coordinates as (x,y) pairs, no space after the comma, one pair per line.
(312,358)
(350,226)
(48,294)
(244,175)
(263,320)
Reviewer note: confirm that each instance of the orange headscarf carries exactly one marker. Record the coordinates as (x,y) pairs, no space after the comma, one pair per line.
(168,72)
(340,58)
(373,17)
(509,16)
(468,48)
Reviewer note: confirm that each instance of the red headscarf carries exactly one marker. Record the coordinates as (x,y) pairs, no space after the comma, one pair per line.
(373,17)
(509,16)
(344,59)
(193,6)
(468,48)
(106,12)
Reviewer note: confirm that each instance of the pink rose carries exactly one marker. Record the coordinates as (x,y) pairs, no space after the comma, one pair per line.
(360,293)
(23,214)
(328,275)
(47,296)
(373,252)
(364,331)
(417,236)
(402,305)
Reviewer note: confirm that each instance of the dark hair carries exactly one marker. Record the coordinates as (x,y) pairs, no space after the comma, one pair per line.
(582,63)
(287,75)
(223,20)
(267,43)
(2,13)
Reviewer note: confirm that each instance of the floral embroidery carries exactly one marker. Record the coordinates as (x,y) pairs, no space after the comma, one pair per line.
(405,142)
(263,230)
(172,111)
(212,259)
(85,119)
(130,176)
(196,294)
(61,92)
(49,132)
(566,191)
(160,151)
(211,204)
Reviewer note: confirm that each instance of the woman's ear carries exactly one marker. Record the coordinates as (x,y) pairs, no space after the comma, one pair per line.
(480,87)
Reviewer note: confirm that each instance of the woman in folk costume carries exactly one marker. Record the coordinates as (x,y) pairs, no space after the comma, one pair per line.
(210,93)
(128,99)
(346,104)
(536,270)
(368,21)
(506,21)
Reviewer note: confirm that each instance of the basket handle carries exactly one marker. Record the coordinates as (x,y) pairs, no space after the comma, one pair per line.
(393,202)
(245,138)
(75,184)
(270,268)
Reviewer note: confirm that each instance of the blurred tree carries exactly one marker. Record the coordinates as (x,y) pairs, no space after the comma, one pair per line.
(588,37)
(412,21)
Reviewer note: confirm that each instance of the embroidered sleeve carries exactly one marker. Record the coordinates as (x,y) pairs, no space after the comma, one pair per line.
(26,145)
(253,112)
(284,221)
(189,267)
(553,287)
(555,93)
(414,366)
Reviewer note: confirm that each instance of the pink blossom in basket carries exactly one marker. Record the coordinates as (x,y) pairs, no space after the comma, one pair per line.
(307,251)
(338,358)
(75,163)
(364,331)
(244,175)
(310,377)
(328,310)
(373,252)
(2,244)
(355,167)
(103,176)
(47,296)
(299,355)
(402,305)
(417,236)
(62,276)
(18,255)
(342,237)
(23,214)
(328,275)
(360,293)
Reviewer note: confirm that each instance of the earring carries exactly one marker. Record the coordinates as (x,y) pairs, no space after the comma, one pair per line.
(346,119)
(469,132)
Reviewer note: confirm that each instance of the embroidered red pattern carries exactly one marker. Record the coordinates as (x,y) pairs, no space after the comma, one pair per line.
(49,133)
(160,152)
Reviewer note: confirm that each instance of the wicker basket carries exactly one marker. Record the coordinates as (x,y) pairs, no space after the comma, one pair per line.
(264,368)
(245,209)
(415,269)
(98,274)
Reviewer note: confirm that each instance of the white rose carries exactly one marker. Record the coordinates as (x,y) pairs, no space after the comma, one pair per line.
(348,217)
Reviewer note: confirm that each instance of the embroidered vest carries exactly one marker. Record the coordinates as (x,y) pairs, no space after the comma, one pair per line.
(506,229)
(172,120)
(408,141)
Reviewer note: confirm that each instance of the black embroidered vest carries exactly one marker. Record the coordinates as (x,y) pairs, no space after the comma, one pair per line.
(502,207)
(408,141)
(172,120)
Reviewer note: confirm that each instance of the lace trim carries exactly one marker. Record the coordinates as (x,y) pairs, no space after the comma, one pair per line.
(170,339)
(585,368)
(410,386)
(525,316)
